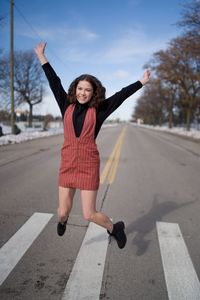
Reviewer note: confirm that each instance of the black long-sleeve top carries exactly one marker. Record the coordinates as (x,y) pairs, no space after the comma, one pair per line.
(108,106)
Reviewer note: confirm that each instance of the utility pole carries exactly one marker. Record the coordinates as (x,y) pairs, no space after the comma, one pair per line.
(12,65)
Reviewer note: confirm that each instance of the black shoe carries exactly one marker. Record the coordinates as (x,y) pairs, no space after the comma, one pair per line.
(119,234)
(61,227)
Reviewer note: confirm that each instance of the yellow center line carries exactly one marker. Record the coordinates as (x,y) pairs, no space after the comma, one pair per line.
(110,168)
(112,174)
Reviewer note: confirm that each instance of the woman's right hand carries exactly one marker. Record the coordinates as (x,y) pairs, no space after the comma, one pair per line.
(39,50)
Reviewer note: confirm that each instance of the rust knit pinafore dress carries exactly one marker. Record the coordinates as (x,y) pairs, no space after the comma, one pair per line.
(80,161)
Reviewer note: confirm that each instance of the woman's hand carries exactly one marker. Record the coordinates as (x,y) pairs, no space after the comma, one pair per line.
(39,50)
(145,77)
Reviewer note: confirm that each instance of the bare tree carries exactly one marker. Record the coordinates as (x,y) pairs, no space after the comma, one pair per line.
(2,18)
(151,106)
(191,17)
(188,75)
(164,66)
(28,80)
(178,68)
(4,83)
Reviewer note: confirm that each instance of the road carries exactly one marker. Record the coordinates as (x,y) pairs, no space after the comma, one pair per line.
(149,179)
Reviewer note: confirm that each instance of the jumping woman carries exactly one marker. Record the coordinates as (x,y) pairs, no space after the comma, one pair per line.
(84,109)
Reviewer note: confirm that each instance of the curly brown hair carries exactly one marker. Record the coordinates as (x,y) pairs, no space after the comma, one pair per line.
(99,90)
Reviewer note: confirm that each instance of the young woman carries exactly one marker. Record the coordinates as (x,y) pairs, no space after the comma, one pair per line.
(84,109)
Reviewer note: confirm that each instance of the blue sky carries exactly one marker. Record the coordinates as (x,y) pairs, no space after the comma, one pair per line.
(111,39)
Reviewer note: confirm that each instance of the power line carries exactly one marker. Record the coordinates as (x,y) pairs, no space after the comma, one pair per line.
(36,33)
(26,21)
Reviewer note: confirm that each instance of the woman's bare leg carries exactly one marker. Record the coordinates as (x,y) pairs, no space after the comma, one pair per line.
(66,196)
(88,200)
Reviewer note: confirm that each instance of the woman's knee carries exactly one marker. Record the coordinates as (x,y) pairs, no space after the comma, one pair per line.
(88,199)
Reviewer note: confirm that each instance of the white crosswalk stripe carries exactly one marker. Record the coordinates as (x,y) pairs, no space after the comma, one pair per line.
(86,277)
(87,274)
(181,279)
(18,244)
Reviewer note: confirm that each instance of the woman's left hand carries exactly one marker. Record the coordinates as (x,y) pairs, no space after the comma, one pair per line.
(145,77)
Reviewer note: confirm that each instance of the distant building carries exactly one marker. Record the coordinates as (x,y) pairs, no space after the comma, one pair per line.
(140,121)
(21,114)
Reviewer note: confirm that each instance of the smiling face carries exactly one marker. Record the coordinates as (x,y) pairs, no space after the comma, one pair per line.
(84,91)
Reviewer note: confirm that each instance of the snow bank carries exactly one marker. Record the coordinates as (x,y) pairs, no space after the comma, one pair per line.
(33,133)
(193,133)
(26,134)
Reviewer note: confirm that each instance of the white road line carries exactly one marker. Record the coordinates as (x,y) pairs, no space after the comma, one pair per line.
(181,279)
(86,276)
(18,244)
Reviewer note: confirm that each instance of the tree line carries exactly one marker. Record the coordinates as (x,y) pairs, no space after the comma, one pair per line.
(173,94)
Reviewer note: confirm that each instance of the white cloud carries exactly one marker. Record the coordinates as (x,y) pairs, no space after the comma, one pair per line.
(59,33)
(121,74)
(130,46)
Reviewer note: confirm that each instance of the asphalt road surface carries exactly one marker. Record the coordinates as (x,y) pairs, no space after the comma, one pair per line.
(149,179)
